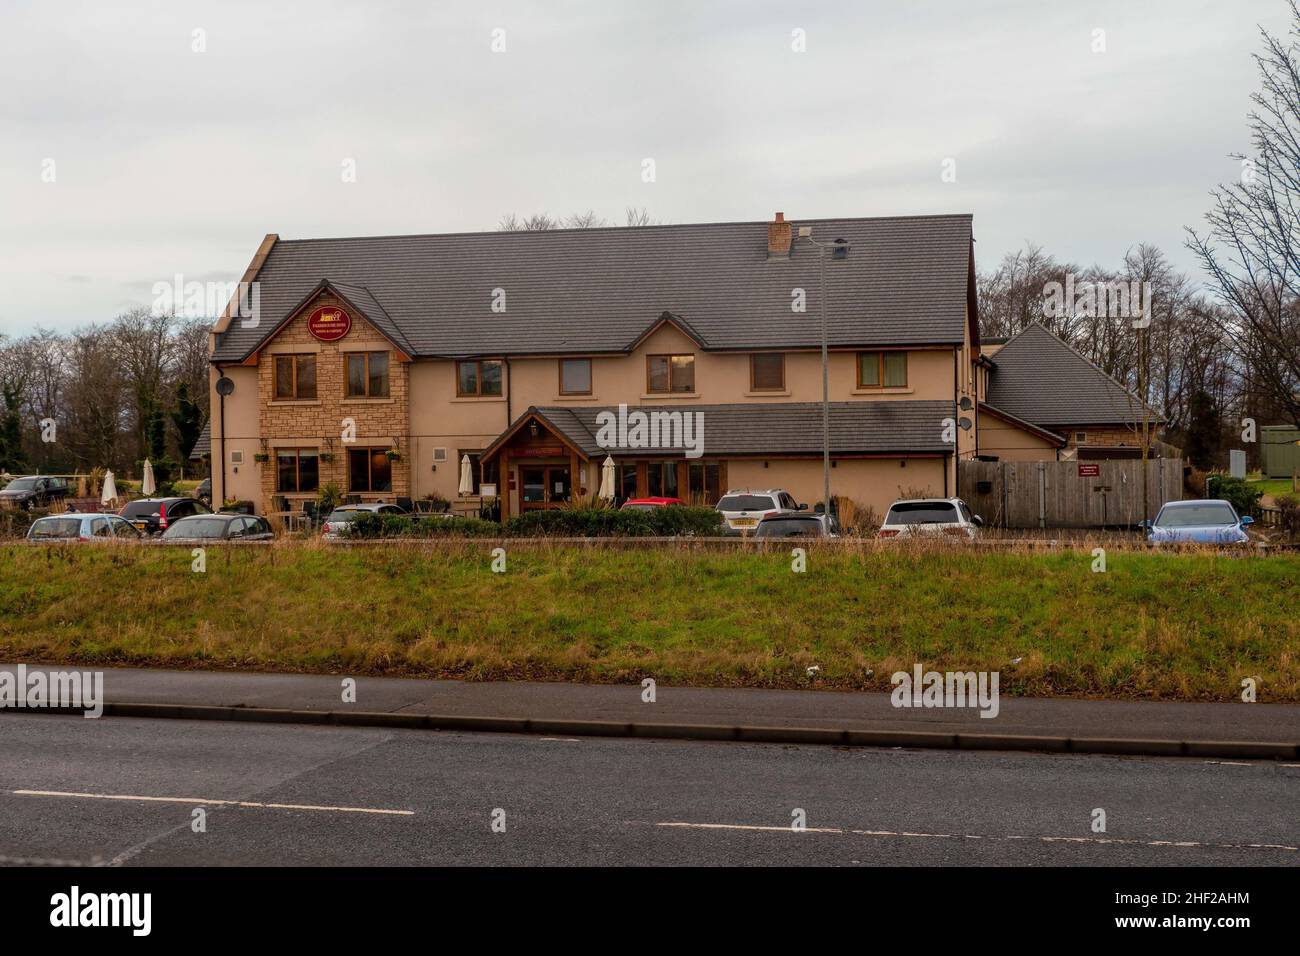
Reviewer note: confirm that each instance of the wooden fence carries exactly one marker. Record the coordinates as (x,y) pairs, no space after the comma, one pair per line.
(1067,494)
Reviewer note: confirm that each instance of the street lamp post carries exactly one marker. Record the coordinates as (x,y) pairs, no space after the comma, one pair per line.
(805,233)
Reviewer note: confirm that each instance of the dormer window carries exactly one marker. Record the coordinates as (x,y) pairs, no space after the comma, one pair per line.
(666,374)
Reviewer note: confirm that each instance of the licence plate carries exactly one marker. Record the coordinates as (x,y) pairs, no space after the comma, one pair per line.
(140,524)
(744,522)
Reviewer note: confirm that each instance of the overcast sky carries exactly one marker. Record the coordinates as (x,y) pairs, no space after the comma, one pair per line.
(167,160)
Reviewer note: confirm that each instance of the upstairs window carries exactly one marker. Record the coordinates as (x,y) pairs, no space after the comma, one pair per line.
(882,370)
(767,372)
(478,378)
(295,378)
(670,373)
(575,376)
(367,375)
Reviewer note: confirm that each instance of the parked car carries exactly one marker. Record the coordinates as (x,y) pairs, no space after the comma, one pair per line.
(78,526)
(1203,521)
(649,504)
(153,515)
(798,524)
(742,510)
(204,492)
(219,527)
(923,517)
(34,491)
(336,524)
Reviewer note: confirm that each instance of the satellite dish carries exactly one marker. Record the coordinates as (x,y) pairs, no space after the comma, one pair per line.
(965,404)
(965,424)
(225,386)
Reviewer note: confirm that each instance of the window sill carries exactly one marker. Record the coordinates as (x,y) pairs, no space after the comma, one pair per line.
(668,396)
(768,393)
(883,391)
(478,398)
(290,401)
(575,398)
(368,401)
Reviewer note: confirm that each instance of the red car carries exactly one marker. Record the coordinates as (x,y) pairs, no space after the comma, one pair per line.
(649,504)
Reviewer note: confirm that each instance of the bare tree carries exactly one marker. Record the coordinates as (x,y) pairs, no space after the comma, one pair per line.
(1251,249)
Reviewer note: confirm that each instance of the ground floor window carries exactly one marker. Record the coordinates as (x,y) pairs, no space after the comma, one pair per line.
(296,470)
(661,479)
(705,483)
(369,469)
(627,480)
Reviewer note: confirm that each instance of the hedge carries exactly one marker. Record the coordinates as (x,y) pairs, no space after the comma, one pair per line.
(551,523)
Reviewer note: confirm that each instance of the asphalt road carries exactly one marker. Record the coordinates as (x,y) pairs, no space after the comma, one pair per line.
(87,791)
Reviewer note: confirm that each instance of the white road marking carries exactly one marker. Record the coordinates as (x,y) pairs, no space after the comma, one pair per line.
(840,831)
(1230,763)
(205,802)
(567,740)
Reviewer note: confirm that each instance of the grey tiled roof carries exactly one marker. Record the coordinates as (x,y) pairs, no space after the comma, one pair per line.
(596,290)
(202,444)
(1042,380)
(786,428)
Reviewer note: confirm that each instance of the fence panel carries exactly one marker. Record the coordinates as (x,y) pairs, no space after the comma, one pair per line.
(1067,494)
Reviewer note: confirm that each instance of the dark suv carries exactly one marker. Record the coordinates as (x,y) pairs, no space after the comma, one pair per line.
(34,491)
(153,515)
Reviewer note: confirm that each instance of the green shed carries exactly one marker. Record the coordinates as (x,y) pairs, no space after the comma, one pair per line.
(1279,451)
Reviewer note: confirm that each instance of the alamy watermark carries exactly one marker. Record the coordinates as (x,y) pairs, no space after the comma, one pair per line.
(203,300)
(640,429)
(23,689)
(949,689)
(1091,300)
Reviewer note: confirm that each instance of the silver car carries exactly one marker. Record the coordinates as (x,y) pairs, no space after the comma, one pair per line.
(82,526)
(924,517)
(742,510)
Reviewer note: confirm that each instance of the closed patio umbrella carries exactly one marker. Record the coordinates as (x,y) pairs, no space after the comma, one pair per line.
(109,494)
(147,486)
(607,479)
(466,478)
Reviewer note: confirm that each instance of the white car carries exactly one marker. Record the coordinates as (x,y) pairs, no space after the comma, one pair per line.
(742,510)
(336,524)
(924,517)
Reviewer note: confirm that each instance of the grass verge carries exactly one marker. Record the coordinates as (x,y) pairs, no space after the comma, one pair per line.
(1184,626)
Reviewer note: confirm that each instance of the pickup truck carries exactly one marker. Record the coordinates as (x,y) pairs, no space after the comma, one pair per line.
(33,491)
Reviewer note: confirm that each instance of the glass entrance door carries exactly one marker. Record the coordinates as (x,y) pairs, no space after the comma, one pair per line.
(544,486)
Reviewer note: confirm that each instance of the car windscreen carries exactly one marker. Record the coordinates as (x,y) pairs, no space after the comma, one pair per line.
(638,507)
(345,514)
(197,528)
(746,503)
(789,528)
(56,528)
(922,512)
(21,484)
(136,509)
(1189,516)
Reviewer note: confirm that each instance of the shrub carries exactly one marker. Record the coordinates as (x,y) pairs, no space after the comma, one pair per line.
(608,522)
(375,525)
(1237,492)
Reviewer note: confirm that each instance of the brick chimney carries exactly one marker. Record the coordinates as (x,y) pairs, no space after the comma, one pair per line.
(778,236)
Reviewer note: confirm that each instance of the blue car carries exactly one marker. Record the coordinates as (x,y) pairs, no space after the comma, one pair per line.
(1201,521)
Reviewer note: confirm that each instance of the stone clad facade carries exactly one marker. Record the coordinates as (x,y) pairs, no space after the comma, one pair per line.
(320,424)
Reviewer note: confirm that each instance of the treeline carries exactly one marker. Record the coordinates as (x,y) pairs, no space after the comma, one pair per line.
(105,395)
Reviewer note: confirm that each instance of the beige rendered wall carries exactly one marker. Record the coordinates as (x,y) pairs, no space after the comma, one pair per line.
(722,379)
(243,481)
(1010,443)
(871,483)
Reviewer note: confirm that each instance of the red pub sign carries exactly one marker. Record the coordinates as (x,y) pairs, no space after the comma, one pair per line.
(329,323)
